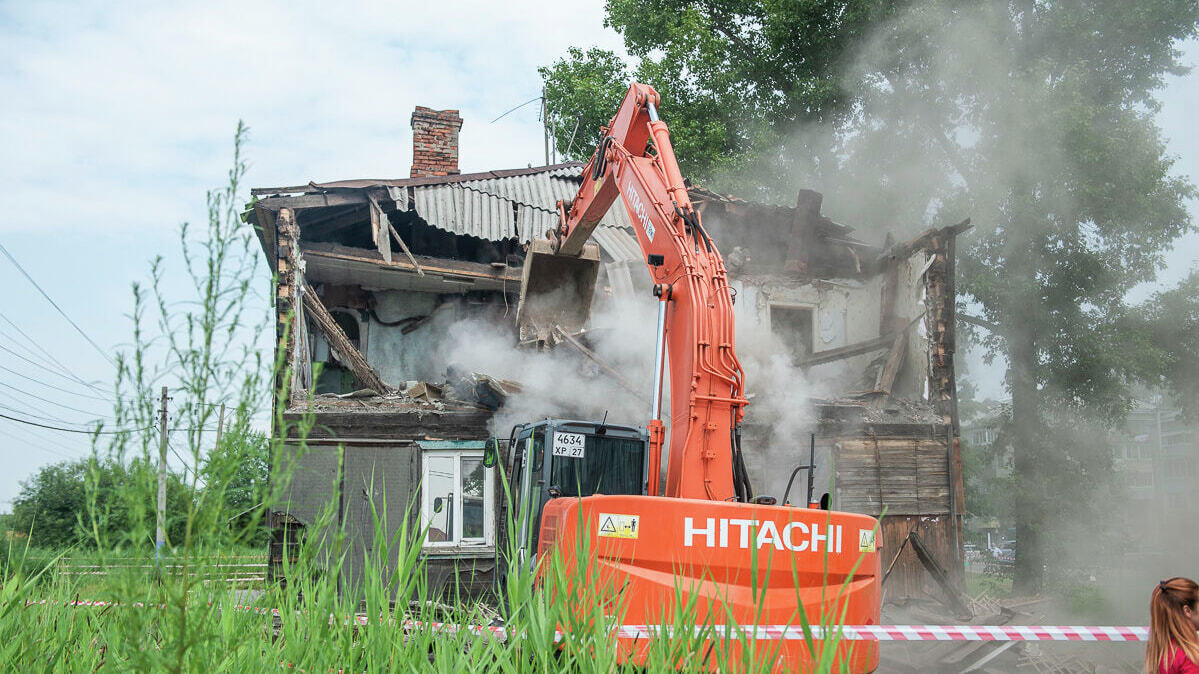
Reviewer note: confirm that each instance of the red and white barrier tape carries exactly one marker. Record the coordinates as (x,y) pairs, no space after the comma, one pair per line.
(769,632)
(915,632)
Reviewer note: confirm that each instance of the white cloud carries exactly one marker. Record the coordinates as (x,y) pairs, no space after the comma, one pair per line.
(136,103)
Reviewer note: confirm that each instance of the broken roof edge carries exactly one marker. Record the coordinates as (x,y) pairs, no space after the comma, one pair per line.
(362,183)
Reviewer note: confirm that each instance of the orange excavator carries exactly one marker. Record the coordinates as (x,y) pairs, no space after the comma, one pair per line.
(705,543)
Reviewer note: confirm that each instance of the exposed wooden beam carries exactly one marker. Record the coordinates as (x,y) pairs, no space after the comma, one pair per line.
(904,250)
(590,355)
(886,376)
(404,247)
(851,350)
(888,321)
(848,351)
(953,596)
(314,201)
(431,265)
(379,226)
(394,233)
(265,226)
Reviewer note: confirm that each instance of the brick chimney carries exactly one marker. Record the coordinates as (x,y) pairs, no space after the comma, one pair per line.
(435,142)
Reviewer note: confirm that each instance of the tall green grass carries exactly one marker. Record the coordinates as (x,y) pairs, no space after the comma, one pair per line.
(190,625)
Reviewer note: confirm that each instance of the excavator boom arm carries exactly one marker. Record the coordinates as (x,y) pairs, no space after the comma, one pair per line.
(635,160)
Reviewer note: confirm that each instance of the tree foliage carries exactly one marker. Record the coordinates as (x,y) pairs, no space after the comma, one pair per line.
(1044,132)
(1163,336)
(735,76)
(240,465)
(53,506)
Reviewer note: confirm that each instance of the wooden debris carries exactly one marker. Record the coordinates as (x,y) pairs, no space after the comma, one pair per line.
(590,355)
(886,375)
(391,228)
(379,226)
(848,351)
(954,598)
(902,251)
(423,390)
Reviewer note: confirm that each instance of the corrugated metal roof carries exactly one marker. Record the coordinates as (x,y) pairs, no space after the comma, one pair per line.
(494,205)
(521,206)
(313,187)
(524,206)
(619,243)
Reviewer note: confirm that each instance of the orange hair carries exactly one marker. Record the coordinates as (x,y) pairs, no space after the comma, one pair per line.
(1168,624)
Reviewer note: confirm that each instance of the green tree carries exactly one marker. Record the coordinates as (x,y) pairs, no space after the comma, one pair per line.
(1041,117)
(240,465)
(53,504)
(583,90)
(1164,337)
(1033,118)
(735,76)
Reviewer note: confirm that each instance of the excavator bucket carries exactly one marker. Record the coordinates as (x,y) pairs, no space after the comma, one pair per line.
(555,290)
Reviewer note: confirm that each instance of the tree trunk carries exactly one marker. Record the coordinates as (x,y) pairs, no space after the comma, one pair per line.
(1027,439)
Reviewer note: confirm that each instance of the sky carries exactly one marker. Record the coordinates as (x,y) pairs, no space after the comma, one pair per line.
(117,117)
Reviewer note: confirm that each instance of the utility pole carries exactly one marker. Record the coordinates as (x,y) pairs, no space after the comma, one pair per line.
(220,426)
(545,125)
(161,536)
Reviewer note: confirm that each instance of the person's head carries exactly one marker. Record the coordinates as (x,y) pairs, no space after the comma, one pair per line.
(1173,617)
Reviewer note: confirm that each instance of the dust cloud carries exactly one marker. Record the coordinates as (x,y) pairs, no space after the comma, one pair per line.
(953,122)
(562,383)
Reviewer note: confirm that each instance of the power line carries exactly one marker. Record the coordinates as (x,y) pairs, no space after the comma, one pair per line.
(43,367)
(535,98)
(55,305)
(33,411)
(47,400)
(56,388)
(37,446)
(181,459)
(33,439)
(49,355)
(17,343)
(37,442)
(73,430)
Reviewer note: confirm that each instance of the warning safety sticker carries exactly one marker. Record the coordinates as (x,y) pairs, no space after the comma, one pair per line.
(866,541)
(618,526)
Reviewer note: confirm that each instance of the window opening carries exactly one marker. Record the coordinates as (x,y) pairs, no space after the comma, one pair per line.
(335,377)
(458,498)
(793,327)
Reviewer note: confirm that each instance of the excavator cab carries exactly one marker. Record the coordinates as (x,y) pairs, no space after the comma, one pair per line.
(556,458)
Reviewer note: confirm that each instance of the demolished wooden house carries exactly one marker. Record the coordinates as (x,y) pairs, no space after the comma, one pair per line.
(372,274)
